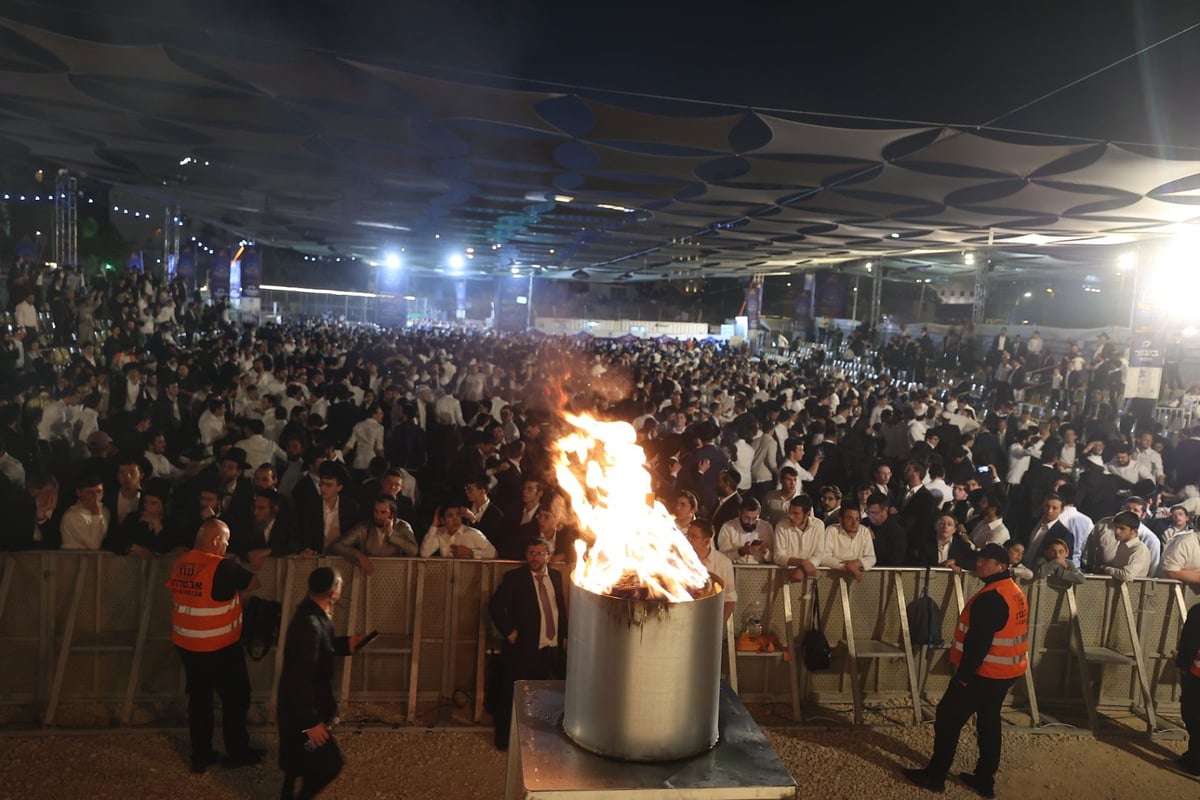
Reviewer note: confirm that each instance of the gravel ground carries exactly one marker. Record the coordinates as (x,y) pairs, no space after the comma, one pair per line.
(461,764)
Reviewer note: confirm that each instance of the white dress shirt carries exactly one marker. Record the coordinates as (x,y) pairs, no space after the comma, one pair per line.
(807,542)
(840,547)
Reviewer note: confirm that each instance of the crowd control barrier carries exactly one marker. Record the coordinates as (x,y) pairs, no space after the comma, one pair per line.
(83,628)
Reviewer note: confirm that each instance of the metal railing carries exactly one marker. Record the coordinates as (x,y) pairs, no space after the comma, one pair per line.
(94,628)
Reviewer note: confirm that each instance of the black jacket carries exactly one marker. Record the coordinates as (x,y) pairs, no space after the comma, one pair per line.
(514,607)
(306,683)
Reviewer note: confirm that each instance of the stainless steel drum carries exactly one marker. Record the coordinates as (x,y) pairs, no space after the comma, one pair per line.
(643,676)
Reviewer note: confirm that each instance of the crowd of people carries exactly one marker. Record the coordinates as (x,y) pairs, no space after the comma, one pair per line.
(365,442)
(140,422)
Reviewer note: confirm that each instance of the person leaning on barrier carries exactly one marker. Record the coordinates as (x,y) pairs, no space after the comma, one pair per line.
(307,709)
(989,653)
(35,515)
(449,538)
(700,534)
(206,623)
(85,524)
(1115,550)
(800,539)
(147,532)
(1181,561)
(384,535)
(954,548)
(848,546)
(1054,563)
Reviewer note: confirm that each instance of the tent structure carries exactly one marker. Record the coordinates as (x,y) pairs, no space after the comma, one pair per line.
(330,156)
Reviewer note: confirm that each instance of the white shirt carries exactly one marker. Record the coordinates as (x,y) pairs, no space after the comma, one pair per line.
(1182,553)
(543,579)
(366,440)
(12,469)
(26,315)
(840,547)
(722,567)
(807,542)
(333,523)
(733,536)
(989,533)
(1152,460)
(83,530)
(1121,560)
(162,466)
(260,450)
(439,541)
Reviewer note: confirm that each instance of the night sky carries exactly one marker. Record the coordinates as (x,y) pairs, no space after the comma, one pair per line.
(963,62)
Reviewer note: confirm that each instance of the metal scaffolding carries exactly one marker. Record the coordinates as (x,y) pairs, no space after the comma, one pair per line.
(66,219)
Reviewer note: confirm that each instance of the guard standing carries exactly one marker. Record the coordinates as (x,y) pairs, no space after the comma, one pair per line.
(990,651)
(206,623)
(1189,686)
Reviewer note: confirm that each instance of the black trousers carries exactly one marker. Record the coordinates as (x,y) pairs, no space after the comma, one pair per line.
(1189,709)
(983,698)
(320,767)
(223,671)
(546,664)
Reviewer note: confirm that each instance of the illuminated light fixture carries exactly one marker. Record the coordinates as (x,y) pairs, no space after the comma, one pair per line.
(536,266)
(410,297)
(1126,261)
(969,259)
(392,261)
(870,267)
(563,198)
(455,261)
(307,290)
(437,236)
(184,162)
(609,207)
(470,255)
(522,300)
(1028,294)
(516,270)
(470,250)
(895,236)
(551,251)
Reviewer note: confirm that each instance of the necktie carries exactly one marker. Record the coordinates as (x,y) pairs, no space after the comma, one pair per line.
(547,608)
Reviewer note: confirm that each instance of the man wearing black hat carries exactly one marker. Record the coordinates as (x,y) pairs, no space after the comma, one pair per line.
(307,707)
(990,652)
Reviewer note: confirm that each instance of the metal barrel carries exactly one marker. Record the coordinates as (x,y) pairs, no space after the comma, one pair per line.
(643,676)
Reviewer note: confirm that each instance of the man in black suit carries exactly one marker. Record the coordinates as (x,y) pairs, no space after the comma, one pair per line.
(482,514)
(529,609)
(335,515)
(729,501)
(307,706)
(702,467)
(918,510)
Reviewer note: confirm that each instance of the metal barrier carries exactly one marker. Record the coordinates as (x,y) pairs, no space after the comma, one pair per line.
(94,628)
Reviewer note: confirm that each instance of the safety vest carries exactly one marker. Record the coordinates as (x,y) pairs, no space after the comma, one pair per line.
(1007,657)
(198,622)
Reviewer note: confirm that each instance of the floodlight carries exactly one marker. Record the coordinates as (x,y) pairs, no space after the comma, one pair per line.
(392,261)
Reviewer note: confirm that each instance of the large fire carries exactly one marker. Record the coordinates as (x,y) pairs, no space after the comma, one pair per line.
(634,548)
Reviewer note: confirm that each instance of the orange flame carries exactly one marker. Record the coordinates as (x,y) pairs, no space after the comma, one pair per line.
(634,539)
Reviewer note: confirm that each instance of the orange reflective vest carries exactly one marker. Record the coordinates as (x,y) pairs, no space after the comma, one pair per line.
(1007,657)
(198,622)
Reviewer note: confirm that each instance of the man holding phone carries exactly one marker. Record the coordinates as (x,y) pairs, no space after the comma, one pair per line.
(307,708)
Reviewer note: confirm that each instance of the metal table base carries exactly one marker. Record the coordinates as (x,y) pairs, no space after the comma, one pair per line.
(543,763)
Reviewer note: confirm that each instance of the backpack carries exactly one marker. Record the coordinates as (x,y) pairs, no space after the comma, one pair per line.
(260,626)
(815,652)
(924,619)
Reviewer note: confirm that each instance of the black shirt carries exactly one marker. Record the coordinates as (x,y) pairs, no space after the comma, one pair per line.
(229,578)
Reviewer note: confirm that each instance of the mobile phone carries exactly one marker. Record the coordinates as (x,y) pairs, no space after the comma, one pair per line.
(366,640)
(984,470)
